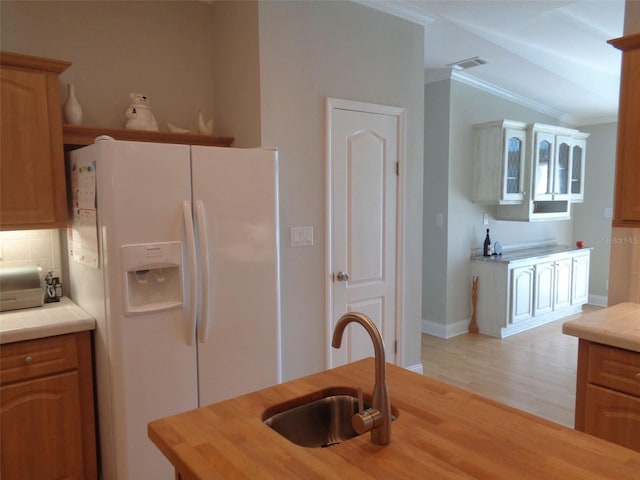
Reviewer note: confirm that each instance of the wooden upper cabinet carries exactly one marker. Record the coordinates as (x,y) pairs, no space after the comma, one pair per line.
(32,175)
(627,194)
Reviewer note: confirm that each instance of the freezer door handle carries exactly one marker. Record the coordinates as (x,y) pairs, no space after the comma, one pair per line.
(203,243)
(193,274)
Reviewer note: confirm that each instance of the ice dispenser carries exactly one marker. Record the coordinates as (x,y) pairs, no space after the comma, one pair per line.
(153,276)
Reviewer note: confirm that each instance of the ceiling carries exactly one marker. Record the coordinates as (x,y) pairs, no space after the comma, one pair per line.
(549,55)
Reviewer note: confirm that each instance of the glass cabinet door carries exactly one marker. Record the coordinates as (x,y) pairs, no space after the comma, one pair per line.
(513,180)
(562,169)
(576,189)
(543,166)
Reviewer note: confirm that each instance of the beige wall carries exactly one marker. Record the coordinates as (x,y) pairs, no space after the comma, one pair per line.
(591,224)
(625,266)
(308,51)
(631,17)
(162,49)
(264,70)
(236,53)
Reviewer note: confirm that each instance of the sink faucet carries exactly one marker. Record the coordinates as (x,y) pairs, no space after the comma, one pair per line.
(378,418)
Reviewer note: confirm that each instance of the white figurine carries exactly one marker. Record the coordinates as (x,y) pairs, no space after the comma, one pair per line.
(139,115)
(173,129)
(204,128)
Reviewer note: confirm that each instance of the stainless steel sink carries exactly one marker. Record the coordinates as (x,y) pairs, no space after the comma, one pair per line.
(317,420)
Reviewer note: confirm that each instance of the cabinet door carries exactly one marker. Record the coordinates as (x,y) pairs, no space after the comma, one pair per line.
(522,280)
(562,284)
(41,429)
(543,166)
(580,280)
(513,168)
(543,294)
(627,193)
(32,190)
(562,168)
(613,416)
(578,154)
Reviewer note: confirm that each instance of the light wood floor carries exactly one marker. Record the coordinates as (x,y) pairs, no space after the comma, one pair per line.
(534,371)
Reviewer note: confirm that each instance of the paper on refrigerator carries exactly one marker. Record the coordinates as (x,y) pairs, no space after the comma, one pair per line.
(83,234)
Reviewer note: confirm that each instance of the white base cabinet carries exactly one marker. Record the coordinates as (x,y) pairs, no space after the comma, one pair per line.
(515,295)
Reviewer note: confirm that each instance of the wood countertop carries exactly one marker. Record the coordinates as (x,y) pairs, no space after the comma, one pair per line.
(441,432)
(617,326)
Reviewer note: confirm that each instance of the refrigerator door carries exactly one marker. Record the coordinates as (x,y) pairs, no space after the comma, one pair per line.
(236,198)
(146,368)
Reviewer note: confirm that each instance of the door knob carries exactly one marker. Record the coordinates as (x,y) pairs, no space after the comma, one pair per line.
(342,277)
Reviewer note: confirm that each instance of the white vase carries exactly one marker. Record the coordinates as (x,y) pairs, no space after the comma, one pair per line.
(72,109)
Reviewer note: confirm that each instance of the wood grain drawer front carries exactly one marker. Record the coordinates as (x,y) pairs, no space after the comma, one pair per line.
(615,368)
(613,416)
(36,358)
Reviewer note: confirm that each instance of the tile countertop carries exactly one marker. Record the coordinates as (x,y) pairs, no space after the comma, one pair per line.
(529,253)
(617,326)
(51,319)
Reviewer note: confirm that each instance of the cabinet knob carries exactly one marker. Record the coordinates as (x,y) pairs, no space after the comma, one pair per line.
(28,360)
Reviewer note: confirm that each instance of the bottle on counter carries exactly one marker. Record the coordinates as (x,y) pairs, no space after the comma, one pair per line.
(487,250)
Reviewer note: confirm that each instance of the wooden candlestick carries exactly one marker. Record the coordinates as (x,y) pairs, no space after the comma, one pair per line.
(473,325)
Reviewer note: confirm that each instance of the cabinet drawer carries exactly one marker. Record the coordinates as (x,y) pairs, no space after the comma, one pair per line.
(36,358)
(613,416)
(614,368)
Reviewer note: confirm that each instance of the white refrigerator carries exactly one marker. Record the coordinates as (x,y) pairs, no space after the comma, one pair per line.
(178,263)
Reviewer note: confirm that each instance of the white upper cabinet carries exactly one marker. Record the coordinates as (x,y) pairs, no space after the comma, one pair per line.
(532,172)
(499,162)
(558,163)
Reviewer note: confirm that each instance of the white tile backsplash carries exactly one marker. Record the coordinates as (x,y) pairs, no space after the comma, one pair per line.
(22,248)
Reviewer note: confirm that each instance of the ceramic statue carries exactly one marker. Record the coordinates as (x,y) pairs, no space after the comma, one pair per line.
(204,128)
(139,114)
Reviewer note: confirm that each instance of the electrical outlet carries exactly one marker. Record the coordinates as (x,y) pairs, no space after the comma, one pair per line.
(485,219)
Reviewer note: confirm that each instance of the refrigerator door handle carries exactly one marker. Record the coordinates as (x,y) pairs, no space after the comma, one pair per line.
(203,314)
(193,275)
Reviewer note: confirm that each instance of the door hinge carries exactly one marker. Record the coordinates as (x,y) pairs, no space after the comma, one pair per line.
(398,169)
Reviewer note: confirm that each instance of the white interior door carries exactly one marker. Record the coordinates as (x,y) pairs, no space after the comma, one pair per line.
(363,189)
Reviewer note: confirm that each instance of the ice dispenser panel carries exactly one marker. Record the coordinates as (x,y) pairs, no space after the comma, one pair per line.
(153,276)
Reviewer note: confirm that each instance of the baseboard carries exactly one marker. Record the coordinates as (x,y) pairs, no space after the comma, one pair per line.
(445,331)
(417,368)
(599,300)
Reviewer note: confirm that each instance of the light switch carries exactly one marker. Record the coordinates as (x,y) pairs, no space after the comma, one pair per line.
(301,237)
(608,212)
(439,219)
(485,219)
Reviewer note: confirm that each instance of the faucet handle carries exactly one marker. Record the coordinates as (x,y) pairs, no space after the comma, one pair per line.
(365,420)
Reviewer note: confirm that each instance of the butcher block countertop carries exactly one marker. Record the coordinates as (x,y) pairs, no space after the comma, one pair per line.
(616,326)
(441,432)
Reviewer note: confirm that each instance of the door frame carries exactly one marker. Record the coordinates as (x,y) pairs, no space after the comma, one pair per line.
(332,104)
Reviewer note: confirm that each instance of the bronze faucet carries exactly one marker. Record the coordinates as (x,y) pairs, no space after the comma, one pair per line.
(378,418)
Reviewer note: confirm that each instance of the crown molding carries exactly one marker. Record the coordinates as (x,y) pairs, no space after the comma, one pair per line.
(451,74)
